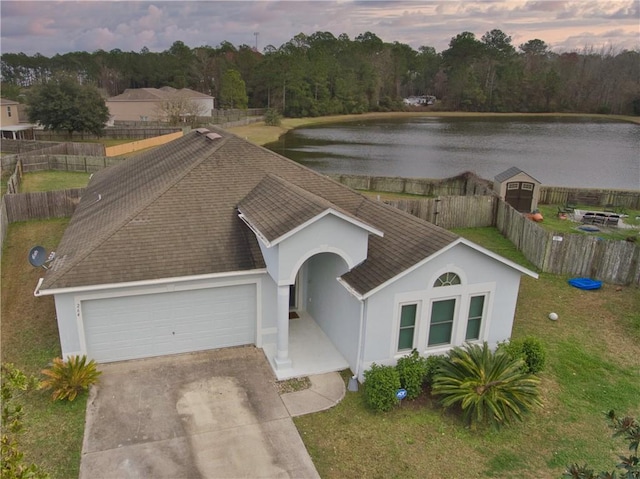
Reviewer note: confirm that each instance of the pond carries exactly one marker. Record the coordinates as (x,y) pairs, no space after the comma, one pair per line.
(557,151)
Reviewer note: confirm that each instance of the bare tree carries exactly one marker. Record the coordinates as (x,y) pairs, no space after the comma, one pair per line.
(180,109)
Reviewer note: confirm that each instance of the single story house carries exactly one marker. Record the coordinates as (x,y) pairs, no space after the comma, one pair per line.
(210,241)
(146,104)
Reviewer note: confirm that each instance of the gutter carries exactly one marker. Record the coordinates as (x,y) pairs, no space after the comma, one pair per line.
(151,282)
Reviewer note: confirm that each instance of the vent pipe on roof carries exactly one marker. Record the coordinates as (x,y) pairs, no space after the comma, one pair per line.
(213,136)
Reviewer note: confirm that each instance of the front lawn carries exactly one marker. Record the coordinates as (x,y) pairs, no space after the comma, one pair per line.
(593,366)
(29,339)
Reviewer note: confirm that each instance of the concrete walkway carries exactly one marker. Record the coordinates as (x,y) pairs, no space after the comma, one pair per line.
(215,414)
(326,391)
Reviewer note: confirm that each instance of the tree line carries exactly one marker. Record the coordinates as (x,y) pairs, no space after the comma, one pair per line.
(321,74)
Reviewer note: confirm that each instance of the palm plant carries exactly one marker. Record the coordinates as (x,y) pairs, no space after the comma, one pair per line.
(489,387)
(68,378)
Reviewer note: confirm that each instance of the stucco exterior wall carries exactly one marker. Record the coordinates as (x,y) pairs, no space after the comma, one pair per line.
(327,234)
(334,309)
(139,110)
(480,275)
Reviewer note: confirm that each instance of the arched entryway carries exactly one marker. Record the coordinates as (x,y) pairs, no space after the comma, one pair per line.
(323,318)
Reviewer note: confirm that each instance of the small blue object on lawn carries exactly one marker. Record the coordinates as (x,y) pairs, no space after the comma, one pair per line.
(585,283)
(401,394)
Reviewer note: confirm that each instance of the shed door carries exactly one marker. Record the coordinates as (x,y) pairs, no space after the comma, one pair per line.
(519,195)
(149,325)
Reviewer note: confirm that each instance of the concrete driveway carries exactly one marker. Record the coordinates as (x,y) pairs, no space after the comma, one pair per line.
(215,414)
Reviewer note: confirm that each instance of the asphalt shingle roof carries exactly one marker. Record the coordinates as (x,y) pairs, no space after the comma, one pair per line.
(173,211)
(510,173)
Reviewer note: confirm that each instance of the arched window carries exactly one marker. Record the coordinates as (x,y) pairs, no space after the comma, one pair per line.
(447,279)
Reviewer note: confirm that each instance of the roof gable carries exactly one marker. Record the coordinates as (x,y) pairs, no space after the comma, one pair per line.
(276,208)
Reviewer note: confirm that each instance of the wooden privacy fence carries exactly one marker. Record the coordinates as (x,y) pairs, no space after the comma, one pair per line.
(462,185)
(41,205)
(87,164)
(556,195)
(114,132)
(611,261)
(451,211)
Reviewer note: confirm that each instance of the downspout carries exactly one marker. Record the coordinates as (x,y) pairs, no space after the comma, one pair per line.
(36,292)
(353,382)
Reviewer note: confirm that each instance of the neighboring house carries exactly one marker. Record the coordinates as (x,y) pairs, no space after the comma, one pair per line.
(517,188)
(146,104)
(210,241)
(10,126)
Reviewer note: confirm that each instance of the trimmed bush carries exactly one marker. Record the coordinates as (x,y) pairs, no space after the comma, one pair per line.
(380,386)
(68,378)
(530,349)
(411,371)
(432,363)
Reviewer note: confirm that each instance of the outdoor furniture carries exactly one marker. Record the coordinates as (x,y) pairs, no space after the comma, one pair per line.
(612,220)
(600,218)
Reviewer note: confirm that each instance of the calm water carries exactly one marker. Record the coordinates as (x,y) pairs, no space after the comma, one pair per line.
(557,151)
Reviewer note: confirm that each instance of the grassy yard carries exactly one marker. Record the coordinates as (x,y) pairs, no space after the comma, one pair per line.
(552,222)
(53,180)
(29,339)
(593,366)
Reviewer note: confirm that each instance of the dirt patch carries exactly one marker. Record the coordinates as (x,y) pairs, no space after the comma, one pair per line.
(293,385)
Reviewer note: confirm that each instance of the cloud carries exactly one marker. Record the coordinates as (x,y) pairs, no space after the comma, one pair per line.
(57,27)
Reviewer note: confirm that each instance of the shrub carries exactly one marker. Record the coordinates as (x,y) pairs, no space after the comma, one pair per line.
(272,117)
(381,384)
(411,371)
(432,363)
(491,388)
(68,378)
(629,428)
(530,349)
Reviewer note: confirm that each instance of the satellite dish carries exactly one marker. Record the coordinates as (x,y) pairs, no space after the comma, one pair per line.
(38,257)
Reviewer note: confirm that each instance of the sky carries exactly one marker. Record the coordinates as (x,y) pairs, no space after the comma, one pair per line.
(51,27)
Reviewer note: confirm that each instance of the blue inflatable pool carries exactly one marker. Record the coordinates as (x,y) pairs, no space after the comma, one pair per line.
(585,283)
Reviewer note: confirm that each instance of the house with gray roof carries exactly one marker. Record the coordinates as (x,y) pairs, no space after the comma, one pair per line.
(154,104)
(210,241)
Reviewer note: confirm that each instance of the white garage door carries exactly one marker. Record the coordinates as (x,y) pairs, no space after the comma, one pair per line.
(134,327)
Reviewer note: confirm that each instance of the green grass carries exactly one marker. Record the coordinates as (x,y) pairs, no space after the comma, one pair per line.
(593,366)
(492,240)
(53,180)
(29,339)
(553,223)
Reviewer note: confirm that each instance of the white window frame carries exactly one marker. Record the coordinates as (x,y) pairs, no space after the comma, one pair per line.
(416,327)
(483,318)
(454,327)
(8,112)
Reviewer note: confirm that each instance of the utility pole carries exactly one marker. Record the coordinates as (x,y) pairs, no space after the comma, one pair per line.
(255,34)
